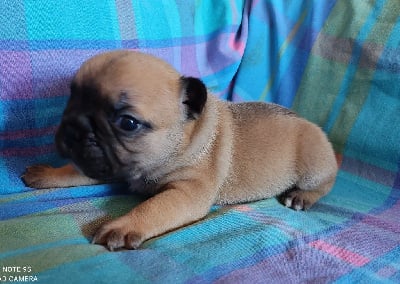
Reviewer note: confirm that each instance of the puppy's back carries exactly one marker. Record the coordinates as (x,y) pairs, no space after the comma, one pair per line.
(269,144)
(251,109)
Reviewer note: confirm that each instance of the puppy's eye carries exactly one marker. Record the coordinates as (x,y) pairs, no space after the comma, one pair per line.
(128,123)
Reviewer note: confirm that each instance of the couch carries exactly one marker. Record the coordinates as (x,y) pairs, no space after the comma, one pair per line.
(336,63)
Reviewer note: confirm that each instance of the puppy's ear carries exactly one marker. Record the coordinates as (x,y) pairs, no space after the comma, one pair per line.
(194,96)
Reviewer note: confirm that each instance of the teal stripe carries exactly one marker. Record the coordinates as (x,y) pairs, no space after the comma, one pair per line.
(174,25)
(384,114)
(353,65)
(12,19)
(4,174)
(26,250)
(394,38)
(104,268)
(79,20)
(233,235)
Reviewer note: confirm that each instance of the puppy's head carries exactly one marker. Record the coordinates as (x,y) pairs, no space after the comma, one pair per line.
(126,115)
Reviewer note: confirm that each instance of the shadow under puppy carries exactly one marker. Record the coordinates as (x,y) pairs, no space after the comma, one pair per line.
(131,117)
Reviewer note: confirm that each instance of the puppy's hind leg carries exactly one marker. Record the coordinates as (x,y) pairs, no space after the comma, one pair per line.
(316,169)
(316,177)
(303,196)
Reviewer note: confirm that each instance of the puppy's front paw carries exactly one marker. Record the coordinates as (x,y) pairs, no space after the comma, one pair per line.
(38,176)
(118,234)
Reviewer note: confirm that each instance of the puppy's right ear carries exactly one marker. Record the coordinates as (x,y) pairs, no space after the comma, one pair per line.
(194,96)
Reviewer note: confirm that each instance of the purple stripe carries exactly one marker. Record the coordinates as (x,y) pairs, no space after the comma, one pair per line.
(369,241)
(297,263)
(279,250)
(29,151)
(27,133)
(189,64)
(387,271)
(72,44)
(48,73)
(217,50)
(367,171)
(388,219)
(39,74)
(15,75)
(384,224)
(365,240)
(53,71)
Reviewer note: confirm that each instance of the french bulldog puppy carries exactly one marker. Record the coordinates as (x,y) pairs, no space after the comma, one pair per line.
(132,117)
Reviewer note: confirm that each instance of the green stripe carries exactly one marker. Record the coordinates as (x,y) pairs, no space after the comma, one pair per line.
(359,89)
(323,79)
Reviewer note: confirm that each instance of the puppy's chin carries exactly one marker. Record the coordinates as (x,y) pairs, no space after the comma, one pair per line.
(93,167)
(95,170)
(106,173)
(94,163)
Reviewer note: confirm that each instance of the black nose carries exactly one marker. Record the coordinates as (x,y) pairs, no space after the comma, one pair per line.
(76,130)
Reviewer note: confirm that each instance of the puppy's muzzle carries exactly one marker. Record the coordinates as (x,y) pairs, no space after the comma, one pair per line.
(74,132)
(76,140)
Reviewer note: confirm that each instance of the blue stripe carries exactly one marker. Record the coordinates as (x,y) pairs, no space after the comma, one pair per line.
(105,267)
(57,198)
(290,80)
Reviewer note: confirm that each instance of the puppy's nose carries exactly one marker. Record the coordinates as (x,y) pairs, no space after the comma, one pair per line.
(76,130)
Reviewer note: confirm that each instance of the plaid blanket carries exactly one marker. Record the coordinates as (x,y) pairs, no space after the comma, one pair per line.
(337,63)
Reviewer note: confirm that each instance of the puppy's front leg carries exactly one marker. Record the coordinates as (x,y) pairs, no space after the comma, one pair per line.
(181,203)
(44,176)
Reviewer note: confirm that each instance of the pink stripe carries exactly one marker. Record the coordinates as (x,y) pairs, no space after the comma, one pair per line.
(344,254)
(31,151)
(27,133)
(242,208)
(236,45)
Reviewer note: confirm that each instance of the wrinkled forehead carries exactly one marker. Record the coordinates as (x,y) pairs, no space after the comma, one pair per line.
(151,92)
(154,105)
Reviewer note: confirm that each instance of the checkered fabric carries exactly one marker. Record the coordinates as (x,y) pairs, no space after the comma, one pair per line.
(336,63)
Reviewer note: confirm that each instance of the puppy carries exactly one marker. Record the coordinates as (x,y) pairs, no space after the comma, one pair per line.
(131,117)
